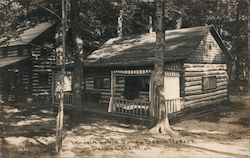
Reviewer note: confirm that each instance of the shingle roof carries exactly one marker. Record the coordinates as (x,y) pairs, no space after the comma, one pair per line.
(29,35)
(140,50)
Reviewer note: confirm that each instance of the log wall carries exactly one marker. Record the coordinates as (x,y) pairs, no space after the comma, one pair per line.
(208,51)
(193,89)
(41,65)
(15,79)
(104,94)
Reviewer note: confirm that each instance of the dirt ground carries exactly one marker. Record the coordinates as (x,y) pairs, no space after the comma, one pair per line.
(28,130)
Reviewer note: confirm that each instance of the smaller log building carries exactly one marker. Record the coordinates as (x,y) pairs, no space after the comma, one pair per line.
(26,64)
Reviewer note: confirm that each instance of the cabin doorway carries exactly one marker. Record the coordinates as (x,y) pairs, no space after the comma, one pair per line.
(136,87)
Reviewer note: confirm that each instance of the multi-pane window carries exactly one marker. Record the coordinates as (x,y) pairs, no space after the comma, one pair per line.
(102,83)
(209,82)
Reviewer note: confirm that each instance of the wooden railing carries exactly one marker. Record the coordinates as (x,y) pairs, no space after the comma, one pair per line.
(130,107)
(68,99)
(173,105)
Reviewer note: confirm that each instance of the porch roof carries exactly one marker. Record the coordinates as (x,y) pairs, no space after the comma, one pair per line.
(140,50)
(4,62)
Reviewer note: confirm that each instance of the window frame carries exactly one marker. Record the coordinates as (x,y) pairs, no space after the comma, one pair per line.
(212,83)
(102,84)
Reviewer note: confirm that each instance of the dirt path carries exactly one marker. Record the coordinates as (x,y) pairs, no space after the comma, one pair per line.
(28,131)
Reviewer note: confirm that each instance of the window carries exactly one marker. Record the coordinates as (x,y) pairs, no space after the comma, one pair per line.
(208,47)
(209,82)
(102,82)
(43,79)
(44,54)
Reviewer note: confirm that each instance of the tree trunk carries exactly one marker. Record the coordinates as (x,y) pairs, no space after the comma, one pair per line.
(120,20)
(237,48)
(248,57)
(78,68)
(162,124)
(60,114)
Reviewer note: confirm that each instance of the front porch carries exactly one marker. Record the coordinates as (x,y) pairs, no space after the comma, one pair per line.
(130,93)
(144,105)
(120,106)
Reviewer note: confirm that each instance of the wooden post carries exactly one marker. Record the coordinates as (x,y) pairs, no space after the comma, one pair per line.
(110,109)
(151,96)
(60,115)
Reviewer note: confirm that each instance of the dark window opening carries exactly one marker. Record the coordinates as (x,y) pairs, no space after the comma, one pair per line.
(44,54)
(209,46)
(209,82)
(134,85)
(43,79)
(20,51)
(102,83)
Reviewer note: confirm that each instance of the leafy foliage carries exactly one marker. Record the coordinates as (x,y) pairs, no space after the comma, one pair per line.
(98,18)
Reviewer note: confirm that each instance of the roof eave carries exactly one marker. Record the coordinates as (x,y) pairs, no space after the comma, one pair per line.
(223,47)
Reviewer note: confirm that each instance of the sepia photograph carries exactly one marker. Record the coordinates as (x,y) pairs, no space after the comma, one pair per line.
(124,79)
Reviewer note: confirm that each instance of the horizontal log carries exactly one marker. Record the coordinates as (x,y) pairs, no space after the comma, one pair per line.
(105,93)
(206,102)
(119,86)
(190,65)
(192,88)
(204,95)
(205,73)
(89,87)
(195,92)
(201,69)
(89,81)
(214,97)
(89,78)
(120,81)
(224,83)
(191,79)
(222,80)
(41,87)
(221,76)
(99,90)
(194,83)
(220,87)
(41,91)
(105,97)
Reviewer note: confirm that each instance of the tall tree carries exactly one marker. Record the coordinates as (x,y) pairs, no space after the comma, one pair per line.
(78,56)
(162,125)
(60,114)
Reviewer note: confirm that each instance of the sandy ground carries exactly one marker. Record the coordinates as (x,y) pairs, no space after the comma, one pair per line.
(28,130)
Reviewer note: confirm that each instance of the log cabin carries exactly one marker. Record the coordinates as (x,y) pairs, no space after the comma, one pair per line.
(119,73)
(26,62)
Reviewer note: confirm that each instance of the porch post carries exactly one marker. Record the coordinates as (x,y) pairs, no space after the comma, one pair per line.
(112,91)
(151,96)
